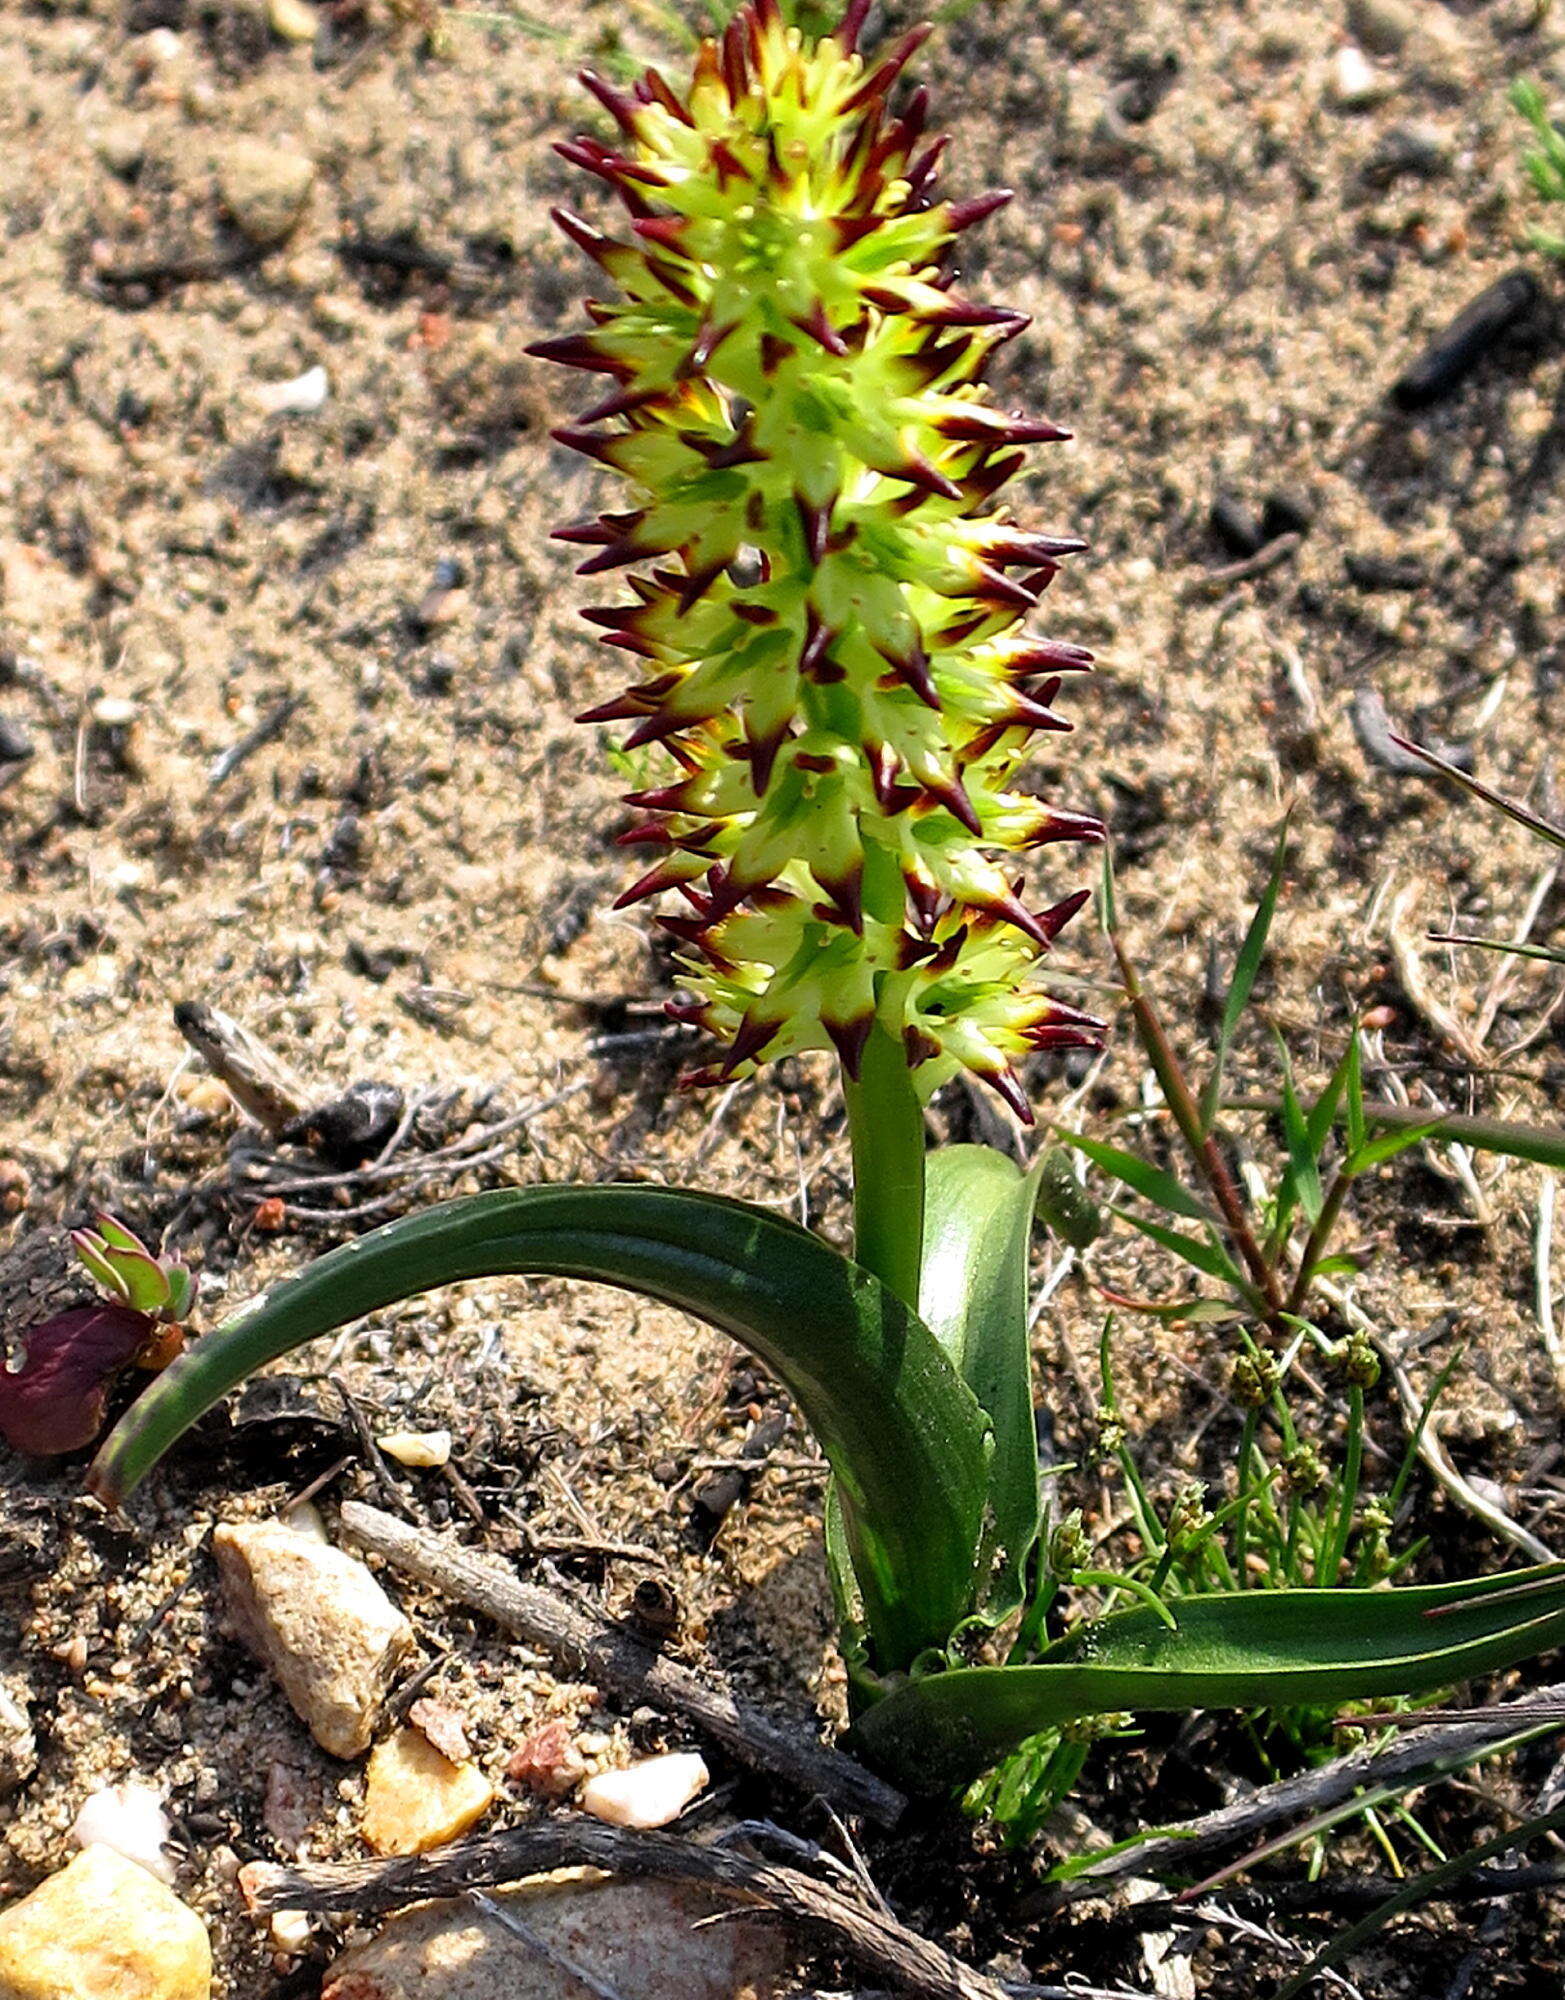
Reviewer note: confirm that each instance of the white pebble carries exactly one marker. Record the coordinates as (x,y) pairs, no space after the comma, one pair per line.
(300,396)
(290,1931)
(649,1794)
(293,21)
(417,1448)
(1354,83)
(130,1819)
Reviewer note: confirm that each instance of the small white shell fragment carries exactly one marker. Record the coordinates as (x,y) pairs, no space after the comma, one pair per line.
(130,1819)
(417,1448)
(300,396)
(648,1794)
(114,711)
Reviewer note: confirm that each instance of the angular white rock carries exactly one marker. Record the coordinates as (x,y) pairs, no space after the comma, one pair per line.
(320,1621)
(647,1794)
(130,1819)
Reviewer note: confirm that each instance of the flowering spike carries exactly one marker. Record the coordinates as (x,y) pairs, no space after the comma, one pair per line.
(669,231)
(654,88)
(1053,921)
(708,341)
(819,328)
(576,350)
(1005,1081)
(841,694)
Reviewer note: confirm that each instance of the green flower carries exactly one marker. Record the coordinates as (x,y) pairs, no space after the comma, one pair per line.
(836,669)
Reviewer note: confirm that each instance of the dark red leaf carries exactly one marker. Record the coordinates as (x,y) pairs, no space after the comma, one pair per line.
(54,1403)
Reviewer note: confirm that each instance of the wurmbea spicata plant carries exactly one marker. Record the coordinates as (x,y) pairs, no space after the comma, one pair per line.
(828,606)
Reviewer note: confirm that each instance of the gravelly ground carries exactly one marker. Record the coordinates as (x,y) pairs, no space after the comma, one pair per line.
(407,881)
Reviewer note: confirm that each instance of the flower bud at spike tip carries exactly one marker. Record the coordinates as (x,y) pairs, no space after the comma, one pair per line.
(841,689)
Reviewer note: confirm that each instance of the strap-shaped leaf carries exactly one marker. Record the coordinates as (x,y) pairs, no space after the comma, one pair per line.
(905,1437)
(1241,1649)
(972,1295)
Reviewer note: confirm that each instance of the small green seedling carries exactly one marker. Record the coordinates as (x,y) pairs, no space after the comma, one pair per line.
(1544,161)
(55,1400)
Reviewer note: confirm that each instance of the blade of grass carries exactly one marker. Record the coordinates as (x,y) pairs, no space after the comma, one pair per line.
(1386,1145)
(1323,1112)
(1512,808)
(1246,967)
(1303,1163)
(1154,1184)
(1202,1146)
(1208,1258)
(1549,954)
(1543,1144)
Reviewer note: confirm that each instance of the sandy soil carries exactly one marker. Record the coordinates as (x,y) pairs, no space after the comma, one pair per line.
(408,881)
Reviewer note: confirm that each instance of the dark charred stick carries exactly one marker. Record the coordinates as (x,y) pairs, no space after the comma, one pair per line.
(1457,349)
(715,1498)
(260,1083)
(875,1941)
(1421,1754)
(615,1659)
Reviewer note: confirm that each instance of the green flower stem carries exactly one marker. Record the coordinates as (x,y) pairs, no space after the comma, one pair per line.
(886,1122)
(1338,1531)
(1319,1239)
(1242,1512)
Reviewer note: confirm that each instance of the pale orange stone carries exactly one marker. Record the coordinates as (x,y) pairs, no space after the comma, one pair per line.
(415,1798)
(103,1929)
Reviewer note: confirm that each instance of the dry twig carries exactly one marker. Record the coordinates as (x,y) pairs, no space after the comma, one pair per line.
(884,1948)
(614,1658)
(1413,1757)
